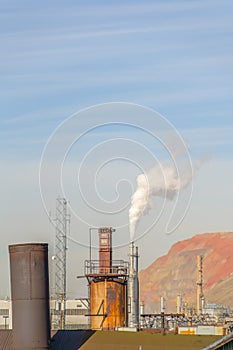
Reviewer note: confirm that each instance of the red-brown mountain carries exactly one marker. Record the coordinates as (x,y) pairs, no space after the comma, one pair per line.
(176,272)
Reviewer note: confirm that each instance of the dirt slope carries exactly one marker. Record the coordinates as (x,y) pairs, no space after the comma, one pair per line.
(176,272)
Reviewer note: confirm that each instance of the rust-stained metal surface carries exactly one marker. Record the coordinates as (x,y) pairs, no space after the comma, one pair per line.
(108,303)
(105,249)
(30,296)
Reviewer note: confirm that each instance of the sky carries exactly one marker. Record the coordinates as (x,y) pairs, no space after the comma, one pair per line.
(130,59)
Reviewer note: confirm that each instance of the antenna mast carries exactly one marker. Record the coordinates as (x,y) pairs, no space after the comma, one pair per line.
(62,227)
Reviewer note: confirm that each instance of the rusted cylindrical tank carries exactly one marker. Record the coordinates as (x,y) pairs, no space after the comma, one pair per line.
(30,296)
(108,308)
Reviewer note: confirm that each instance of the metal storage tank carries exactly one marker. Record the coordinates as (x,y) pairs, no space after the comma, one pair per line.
(108,303)
(30,296)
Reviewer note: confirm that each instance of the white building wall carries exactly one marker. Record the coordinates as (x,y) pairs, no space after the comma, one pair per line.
(75,313)
(5,314)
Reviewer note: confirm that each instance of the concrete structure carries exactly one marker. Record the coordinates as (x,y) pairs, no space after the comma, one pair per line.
(30,296)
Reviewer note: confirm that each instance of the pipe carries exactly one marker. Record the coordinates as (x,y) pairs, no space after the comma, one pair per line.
(178,304)
(162,304)
(141,312)
(142,308)
(133,299)
(199,284)
(137,288)
(30,296)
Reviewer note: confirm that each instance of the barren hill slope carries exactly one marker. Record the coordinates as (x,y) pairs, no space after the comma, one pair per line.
(175,272)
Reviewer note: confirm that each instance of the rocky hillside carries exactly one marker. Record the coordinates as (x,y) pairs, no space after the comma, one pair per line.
(176,273)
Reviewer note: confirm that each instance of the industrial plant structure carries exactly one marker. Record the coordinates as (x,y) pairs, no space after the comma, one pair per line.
(113,303)
(30,296)
(113,286)
(200,296)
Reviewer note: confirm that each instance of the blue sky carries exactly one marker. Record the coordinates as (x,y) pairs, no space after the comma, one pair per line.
(60,57)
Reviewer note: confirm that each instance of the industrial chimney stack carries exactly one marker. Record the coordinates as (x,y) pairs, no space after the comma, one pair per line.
(133,287)
(30,296)
(200,296)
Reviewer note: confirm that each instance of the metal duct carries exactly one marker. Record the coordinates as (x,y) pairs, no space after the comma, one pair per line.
(30,296)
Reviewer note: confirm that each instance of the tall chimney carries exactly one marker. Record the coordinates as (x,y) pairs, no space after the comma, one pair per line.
(162,304)
(133,288)
(178,304)
(105,249)
(199,284)
(30,296)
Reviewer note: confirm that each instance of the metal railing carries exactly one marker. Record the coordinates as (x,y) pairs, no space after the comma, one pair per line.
(118,267)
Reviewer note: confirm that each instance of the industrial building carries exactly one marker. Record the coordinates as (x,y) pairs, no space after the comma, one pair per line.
(76,311)
(111,313)
(113,286)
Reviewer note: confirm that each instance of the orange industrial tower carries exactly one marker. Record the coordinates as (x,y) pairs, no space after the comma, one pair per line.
(107,280)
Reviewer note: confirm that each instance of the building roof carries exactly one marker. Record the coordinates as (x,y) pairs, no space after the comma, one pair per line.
(70,339)
(101,340)
(221,342)
(67,339)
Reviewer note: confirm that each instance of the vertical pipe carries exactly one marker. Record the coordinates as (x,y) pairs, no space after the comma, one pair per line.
(133,295)
(30,296)
(199,284)
(131,286)
(142,308)
(178,304)
(136,288)
(162,304)
(141,312)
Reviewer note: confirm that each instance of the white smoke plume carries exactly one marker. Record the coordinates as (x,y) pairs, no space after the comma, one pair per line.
(160,181)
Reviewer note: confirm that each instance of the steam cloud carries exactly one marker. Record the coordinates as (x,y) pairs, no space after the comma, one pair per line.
(160,181)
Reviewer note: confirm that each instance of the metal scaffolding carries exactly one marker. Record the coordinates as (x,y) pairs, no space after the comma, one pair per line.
(62,228)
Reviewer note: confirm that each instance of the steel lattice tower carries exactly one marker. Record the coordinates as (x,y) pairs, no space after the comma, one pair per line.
(62,227)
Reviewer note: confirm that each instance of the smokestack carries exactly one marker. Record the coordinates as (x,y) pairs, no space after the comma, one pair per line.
(105,249)
(133,288)
(30,296)
(178,304)
(141,312)
(162,304)
(199,284)
(142,308)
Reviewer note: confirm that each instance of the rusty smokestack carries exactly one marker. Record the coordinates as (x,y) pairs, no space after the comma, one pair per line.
(30,296)
(105,249)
